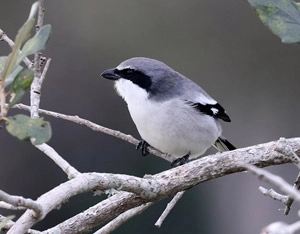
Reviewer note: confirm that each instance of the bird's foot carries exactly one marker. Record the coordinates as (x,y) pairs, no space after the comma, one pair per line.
(143,146)
(180,161)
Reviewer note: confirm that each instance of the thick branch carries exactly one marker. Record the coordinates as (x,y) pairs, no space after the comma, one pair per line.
(157,186)
(36,86)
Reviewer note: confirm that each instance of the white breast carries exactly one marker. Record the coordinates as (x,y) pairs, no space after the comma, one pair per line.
(170,126)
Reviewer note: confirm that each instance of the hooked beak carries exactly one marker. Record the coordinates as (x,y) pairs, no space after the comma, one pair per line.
(110,74)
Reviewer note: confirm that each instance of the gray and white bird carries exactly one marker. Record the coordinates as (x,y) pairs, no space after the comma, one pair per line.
(171,112)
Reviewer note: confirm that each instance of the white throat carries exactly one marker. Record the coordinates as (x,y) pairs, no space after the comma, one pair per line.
(130,92)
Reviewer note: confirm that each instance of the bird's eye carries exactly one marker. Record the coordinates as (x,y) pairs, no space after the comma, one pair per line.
(127,73)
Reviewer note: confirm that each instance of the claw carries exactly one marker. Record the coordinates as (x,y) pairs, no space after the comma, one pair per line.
(180,161)
(143,145)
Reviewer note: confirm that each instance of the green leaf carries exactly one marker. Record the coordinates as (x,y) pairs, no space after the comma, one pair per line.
(23,80)
(22,36)
(33,10)
(25,128)
(36,43)
(15,97)
(281,16)
(6,220)
(12,75)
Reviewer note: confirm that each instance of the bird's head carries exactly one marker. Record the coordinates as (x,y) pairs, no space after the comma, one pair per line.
(143,78)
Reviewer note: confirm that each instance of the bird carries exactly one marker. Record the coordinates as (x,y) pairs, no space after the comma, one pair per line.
(171,112)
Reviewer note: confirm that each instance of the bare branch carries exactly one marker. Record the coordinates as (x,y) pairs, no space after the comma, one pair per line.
(276,196)
(284,148)
(9,224)
(290,200)
(122,218)
(99,128)
(62,163)
(43,75)
(175,180)
(7,206)
(19,201)
(168,209)
(36,86)
(275,180)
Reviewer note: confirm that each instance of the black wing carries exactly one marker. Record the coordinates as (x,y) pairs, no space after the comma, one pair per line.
(214,110)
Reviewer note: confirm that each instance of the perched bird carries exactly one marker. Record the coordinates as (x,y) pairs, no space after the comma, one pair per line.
(172,113)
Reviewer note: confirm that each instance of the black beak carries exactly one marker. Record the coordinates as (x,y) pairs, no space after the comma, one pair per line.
(110,74)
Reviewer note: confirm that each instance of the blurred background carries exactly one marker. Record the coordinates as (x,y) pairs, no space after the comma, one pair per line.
(221,45)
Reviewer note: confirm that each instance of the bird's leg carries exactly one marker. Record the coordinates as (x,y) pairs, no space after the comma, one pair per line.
(180,161)
(143,146)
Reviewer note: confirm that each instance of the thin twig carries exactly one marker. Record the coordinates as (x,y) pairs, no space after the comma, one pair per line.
(58,160)
(4,205)
(276,196)
(99,128)
(9,224)
(19,201)
(290,199)
(168,209)
(122,218)
(43,75)
(275,180)
(284,148)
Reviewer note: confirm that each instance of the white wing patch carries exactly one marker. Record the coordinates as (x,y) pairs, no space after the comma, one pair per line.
(214,110)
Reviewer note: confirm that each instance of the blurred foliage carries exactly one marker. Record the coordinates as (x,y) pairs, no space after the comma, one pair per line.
(25,128)
(6,220)
(36,43)
(21,79)
(281,16)
(21,82)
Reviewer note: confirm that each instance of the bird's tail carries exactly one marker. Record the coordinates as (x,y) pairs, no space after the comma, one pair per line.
(222,144)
